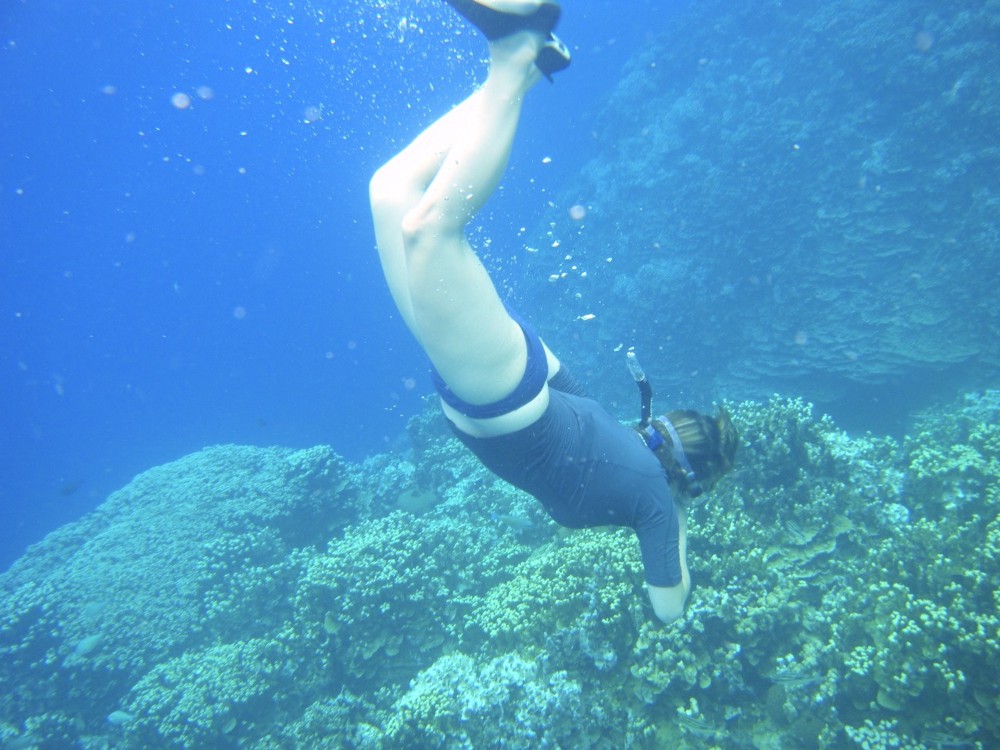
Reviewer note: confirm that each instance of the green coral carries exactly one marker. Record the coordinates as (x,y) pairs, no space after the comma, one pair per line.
(188,554)
(844,594)
(332,723)
(592,575)
(662,660)
(207,698)
(774,604)
(881,735)
(953,461)
(507,702)
(385,599)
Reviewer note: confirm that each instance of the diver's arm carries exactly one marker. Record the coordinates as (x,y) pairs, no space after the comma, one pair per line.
(668,601)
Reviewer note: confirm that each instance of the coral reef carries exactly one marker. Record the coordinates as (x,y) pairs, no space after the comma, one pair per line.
(201,697)
(796,197)
(383,601)
(508,702)
(190,553)
(844,597)
(584,587)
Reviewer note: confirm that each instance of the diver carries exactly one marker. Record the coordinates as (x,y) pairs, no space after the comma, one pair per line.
(504,392)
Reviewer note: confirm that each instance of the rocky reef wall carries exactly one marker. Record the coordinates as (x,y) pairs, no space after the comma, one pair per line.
(791,197)
(845,597)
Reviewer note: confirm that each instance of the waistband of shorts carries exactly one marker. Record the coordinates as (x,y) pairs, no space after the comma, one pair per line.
(535,374)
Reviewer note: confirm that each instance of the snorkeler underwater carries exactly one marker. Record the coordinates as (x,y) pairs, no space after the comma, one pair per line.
(573,375)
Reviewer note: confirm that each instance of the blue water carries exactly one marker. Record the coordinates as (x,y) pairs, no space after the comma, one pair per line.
(172,278)
(782,198)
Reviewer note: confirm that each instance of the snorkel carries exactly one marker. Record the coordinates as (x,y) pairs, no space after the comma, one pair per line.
(645,389)
(652,436)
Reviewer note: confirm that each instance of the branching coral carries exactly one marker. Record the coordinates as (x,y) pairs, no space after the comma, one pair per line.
(506,702)
(384,600)
(194,552)
(204,698)
(589,582)
(844,593)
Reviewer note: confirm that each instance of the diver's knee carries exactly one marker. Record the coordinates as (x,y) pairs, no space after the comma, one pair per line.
(423,226)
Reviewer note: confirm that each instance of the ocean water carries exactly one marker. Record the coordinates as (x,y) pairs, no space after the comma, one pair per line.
(777,199)
(187,252)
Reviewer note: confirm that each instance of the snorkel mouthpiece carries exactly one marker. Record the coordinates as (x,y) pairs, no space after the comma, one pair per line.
(645,389)
(634,367)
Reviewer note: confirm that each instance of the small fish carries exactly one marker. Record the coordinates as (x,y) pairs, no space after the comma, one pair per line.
(330,624)
(518,523)
(940,740)
(117,718)
(699,727)
(88,644)
(791,679)
(797,534)
(68,488)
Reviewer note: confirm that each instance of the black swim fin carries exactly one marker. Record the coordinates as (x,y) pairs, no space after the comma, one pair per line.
(553,56)
(496,24)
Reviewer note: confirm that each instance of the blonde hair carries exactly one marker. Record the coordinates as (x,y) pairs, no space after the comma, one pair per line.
(709,444)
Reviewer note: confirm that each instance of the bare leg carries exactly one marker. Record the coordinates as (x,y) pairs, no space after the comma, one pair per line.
(422,200)
(397,188)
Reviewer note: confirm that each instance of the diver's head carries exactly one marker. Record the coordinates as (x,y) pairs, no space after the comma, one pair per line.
(695,449)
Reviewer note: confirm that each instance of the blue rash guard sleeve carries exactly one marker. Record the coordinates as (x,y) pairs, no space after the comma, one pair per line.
(658,537)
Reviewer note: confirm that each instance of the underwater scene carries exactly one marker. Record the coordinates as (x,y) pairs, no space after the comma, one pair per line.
(787,210)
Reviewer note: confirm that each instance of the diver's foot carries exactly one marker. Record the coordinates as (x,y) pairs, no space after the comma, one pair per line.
(553,56)
(500,18)
(526,56)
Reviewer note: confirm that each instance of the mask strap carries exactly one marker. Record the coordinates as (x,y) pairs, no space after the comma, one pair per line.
(678,449)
